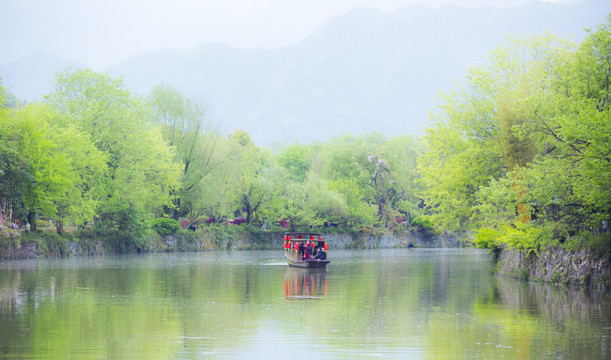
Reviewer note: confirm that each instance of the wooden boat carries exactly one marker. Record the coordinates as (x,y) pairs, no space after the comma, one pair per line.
(301,247)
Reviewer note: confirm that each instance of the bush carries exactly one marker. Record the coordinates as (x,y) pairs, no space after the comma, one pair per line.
(164,226)
(525,238)
(598,244)
(423,222)
(486,238)
(48,244)
(44,223)
(522,237)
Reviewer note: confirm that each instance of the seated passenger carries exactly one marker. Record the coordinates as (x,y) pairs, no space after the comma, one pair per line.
(320,254)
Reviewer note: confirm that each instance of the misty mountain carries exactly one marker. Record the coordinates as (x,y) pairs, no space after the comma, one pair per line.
(31,77)
(366,70)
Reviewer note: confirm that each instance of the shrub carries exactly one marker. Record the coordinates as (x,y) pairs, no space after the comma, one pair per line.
(524,274)
(423,222)
(526,238)
(598,244)
(43,223)
(164,226)
(486,238)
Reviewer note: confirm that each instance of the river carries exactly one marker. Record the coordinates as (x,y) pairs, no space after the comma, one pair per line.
(388,304)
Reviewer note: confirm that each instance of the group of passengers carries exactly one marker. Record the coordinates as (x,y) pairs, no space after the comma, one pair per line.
(311,251)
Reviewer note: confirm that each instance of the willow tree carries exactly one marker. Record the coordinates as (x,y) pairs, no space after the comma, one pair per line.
(569,178)
(184,127)
(475,137)
(257,178)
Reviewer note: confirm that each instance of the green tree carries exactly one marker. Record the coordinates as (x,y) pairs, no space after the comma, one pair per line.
(183,126)
(87,167)
(295,160)
(62,168)
(475,138)
(48,167)
(360,213)
(256,179)
(141,172)
(214,196)
(384,171)
(328,205)
(570,122)
(528,136)
(296,209)
(14,165)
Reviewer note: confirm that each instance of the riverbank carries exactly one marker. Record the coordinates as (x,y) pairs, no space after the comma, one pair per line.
(554,266)
(92,244)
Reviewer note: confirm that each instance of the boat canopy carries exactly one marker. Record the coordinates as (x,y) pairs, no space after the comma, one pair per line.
(303,236)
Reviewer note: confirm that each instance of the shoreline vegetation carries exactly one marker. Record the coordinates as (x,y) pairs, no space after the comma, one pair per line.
(233,237)
(557,265)
(516,159)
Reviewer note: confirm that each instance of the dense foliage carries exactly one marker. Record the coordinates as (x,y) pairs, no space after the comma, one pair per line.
(94,154)
(165,226)
(518,155)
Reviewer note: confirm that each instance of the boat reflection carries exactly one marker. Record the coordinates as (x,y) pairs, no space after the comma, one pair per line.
(305,283)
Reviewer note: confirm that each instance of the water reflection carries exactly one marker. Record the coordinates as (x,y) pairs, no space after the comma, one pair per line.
(555,302)
(305,283)
(374,303)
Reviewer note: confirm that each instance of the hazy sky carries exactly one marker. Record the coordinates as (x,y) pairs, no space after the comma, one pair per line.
(100,33)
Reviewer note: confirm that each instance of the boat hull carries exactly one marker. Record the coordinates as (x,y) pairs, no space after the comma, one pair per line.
(308,264)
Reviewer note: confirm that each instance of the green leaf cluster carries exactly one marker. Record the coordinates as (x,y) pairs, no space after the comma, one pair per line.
(165,226)
(521,149)
(518,154)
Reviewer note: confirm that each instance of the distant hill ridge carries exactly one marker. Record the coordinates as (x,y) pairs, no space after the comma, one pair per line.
(366,70)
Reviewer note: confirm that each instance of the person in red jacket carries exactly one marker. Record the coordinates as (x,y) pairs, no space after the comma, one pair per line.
(308,250)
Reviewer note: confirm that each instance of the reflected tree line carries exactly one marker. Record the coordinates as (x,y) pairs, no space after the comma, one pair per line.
(161,311)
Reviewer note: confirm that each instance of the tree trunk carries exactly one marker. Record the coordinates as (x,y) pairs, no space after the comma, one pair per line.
(522,208)
(176,213)
(248,212)
(32,221)
(59,226)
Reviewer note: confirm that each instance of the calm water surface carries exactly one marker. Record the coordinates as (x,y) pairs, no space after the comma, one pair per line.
(389,304)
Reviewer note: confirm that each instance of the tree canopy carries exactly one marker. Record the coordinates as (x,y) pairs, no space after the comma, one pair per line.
(517,153)
(523,147)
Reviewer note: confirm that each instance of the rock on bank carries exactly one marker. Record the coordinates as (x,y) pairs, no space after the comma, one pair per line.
(554,266)
(56,246)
